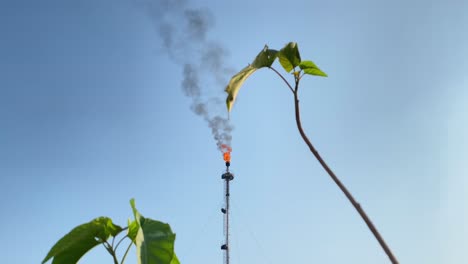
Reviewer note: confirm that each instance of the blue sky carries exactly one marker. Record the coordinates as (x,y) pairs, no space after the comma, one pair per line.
(92,114)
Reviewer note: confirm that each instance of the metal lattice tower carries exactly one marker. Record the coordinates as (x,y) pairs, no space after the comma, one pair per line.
(227,177)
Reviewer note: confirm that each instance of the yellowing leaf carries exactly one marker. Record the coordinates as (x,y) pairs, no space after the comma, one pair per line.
(235,84)
(265,58)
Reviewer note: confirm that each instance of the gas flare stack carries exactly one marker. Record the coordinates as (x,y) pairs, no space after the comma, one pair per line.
(227,177)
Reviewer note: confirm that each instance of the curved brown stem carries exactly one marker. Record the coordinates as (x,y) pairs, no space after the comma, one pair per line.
(282,77)
(348,195)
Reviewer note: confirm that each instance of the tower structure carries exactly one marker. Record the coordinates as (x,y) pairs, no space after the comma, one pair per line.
(227,177)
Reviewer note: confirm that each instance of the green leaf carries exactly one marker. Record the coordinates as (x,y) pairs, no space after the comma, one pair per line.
(289,56)
(175,260)
(70,248)
(133,227)
(310,68)
(154,240)
(265,58)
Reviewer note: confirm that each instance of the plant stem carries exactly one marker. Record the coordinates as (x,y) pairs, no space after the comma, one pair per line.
(120,241)
(115,258)
(281,76)
(126,252)
(322,162)
(348,195)
(111,251)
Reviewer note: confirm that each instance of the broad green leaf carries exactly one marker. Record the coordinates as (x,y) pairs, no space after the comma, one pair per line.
(265,58)
(111,229)
(310,68)
(289,56)
(81,239)
(175,260)
(154,240)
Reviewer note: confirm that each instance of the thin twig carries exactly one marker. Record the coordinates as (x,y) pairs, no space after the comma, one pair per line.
(111,251)
(126,252)
(120,241)
(281,76)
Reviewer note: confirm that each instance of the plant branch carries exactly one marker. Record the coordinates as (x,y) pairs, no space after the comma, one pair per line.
(282,77)
(120,241)
(111,251)
(348,195)
(126,252)
(106,247)
(116,261)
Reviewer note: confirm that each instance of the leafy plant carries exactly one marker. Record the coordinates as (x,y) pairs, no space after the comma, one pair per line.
(290,59)
(154,241)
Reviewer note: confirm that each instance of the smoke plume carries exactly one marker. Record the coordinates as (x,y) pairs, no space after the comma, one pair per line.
(184,37)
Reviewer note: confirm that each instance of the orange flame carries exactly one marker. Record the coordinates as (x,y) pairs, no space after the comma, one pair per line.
(227,156)
(226,152)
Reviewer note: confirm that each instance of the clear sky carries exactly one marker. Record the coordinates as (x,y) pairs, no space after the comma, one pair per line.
(92,114)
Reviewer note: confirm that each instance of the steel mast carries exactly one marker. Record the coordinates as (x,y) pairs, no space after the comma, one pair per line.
(227,177)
